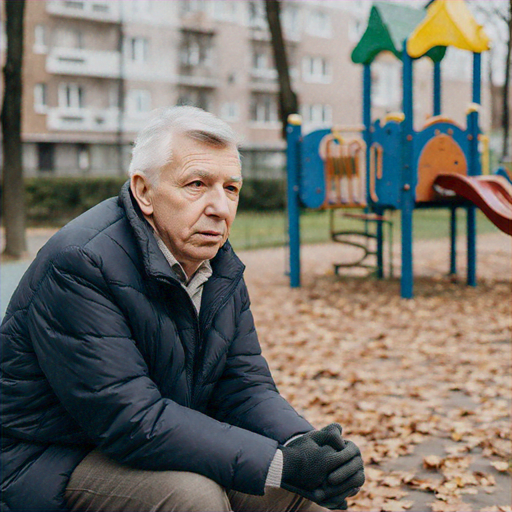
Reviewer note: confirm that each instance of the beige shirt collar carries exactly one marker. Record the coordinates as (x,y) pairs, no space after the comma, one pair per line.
(194,285)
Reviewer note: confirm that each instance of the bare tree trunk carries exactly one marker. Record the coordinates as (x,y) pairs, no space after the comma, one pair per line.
(13,189)
(506,89)
(288,103)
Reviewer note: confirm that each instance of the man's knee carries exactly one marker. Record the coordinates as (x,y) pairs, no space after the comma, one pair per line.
(191,492)
(101,484)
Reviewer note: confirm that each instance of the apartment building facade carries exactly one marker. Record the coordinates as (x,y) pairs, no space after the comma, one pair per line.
(94,69)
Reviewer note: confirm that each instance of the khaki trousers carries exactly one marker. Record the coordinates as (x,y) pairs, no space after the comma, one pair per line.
(99,484)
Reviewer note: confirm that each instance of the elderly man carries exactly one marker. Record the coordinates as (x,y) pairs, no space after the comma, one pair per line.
(132,376)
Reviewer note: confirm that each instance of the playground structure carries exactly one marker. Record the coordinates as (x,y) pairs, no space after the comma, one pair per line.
(394,167)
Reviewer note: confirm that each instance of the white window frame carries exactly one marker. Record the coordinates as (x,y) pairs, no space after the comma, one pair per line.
(317,115)
(319,24)
(75,4)
(40,43)
(256,15)
(316,70)
(40,98)
(71,96)
(265,109)
(140,101)
(138,49)
(113,97)
(291,21)
(231,111)
(68,37)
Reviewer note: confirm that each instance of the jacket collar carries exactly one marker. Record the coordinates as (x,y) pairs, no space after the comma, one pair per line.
(225,266)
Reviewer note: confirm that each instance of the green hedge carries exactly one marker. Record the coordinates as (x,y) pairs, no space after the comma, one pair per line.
(55,201)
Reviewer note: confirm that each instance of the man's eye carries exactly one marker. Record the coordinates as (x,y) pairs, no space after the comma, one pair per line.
(232,188)
(196,184)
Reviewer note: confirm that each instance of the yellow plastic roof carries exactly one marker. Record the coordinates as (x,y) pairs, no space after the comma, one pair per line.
(448,23)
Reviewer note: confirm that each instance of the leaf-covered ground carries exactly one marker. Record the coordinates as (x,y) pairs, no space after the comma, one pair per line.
(423,386)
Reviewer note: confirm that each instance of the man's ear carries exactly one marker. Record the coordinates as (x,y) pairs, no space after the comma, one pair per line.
(142,191)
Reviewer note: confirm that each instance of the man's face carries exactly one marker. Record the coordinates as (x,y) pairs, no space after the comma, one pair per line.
(194,204)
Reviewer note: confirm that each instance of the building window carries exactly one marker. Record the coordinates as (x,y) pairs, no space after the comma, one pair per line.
(319,24)
(40,97)
(113,96)
(70,38)
(263,108)
(139,100)
(46,156)
(193,6)
(72,4)
(386,85)
(225,11)
(316,69)
(230,111)
(138,49)
(317,115)
(259,60)
(196,97)
(103,8)
(83,160)
(257,17)
(356,29)
(141,7)
(291,21)
(71,96)
(40,43)
(196,49)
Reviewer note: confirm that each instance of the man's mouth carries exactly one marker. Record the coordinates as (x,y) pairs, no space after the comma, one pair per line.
(212,234)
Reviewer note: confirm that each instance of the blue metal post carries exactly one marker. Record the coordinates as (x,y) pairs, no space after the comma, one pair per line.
(453,241)
(293,136)
(473,167)
(367,120)
(437,89)
(407,182)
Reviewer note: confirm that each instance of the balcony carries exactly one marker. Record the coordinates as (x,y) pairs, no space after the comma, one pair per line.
(198,74)
(205,82)
(83,119)
(104,11)
(75,61)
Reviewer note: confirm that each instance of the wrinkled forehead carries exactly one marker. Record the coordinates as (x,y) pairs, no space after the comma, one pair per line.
(202,156)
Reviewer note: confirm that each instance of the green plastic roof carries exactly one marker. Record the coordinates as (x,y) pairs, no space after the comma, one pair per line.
(388,26)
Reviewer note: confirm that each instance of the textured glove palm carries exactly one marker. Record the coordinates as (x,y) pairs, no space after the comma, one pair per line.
(322,467)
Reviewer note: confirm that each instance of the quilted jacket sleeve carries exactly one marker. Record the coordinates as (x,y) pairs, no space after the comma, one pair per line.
(85,348)
(246,394)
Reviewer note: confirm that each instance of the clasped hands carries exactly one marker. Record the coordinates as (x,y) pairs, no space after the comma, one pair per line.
(323,467)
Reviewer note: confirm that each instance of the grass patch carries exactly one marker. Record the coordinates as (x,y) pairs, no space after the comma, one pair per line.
(253,230)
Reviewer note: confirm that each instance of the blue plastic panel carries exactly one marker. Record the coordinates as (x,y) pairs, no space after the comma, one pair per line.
(312,174)
(387,188)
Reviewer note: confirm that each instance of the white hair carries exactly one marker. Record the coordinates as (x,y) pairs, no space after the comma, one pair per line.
(153,146)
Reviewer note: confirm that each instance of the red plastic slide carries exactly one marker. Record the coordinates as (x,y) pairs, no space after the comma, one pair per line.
(492,194)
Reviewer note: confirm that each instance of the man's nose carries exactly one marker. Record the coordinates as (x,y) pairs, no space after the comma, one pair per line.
(218,204)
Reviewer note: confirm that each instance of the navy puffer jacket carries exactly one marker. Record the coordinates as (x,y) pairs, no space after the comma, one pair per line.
(102,347)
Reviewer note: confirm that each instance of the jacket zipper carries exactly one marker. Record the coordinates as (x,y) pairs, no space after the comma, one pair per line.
(198,348)
(189,365)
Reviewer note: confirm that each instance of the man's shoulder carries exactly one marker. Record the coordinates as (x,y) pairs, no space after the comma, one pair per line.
(107,218)
(98,236)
